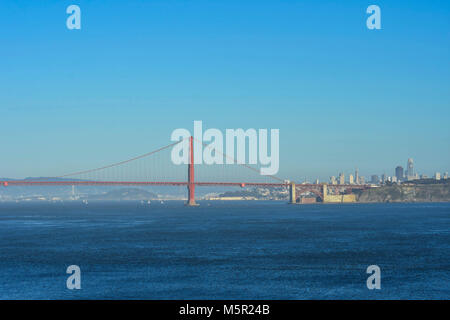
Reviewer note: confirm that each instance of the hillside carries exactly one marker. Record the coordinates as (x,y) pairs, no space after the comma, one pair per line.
(407,193)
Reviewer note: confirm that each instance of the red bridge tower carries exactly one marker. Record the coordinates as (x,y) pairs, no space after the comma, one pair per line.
(191,179)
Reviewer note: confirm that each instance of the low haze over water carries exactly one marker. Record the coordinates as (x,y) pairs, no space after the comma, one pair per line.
(224,250)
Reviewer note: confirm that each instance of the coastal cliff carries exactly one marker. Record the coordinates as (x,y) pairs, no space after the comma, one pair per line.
(407,193)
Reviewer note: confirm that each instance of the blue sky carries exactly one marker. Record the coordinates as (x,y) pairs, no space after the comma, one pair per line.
(342,96)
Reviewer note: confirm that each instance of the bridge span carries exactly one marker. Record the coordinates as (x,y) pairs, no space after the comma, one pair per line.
(322,191)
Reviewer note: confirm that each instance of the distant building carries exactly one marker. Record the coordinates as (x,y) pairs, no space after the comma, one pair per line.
(362,180)
(374,179)
(423,176)
(317,181)
(383,178)
(410,173)
(446,175)
(351,179)
(399,174)
(341,178)
(394,179)
(333,180)
(356,176)
(437,176)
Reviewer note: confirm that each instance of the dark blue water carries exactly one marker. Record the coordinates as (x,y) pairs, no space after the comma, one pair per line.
(232,250)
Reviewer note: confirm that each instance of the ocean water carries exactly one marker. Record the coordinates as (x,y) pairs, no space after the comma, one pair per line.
(224,250)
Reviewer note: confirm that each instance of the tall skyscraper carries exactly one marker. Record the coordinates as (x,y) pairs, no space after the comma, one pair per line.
(357,176)
(399,173)
(350,179)
(410,169)
(341,178)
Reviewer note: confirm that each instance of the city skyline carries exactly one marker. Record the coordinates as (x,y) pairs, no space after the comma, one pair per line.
(398,175)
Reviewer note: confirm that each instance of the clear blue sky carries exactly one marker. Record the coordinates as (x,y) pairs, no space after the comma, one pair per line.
(342,96)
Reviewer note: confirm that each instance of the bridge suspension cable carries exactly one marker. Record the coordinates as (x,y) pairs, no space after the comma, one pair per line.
(121,162)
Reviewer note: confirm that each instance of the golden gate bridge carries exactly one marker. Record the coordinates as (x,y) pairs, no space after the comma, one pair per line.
(138,173)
